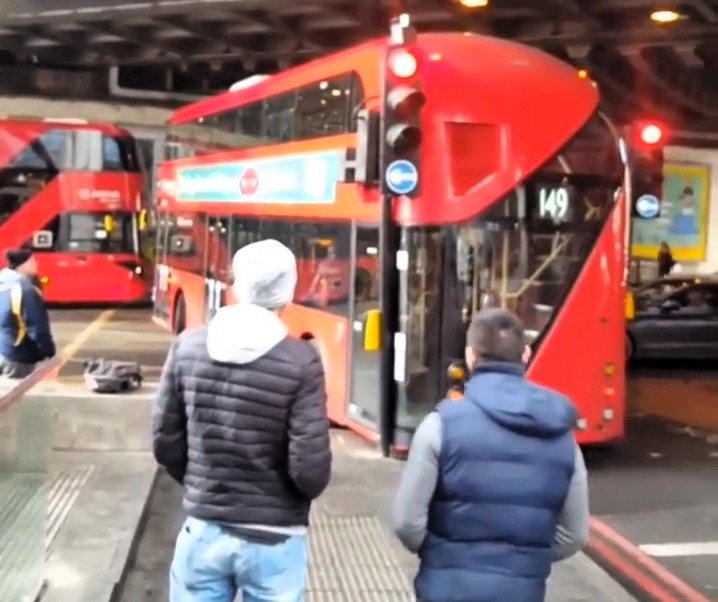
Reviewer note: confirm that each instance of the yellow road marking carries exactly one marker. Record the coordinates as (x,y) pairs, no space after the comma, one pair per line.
(69,350)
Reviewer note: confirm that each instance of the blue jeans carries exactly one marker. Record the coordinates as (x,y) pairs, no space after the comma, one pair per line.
(212,565)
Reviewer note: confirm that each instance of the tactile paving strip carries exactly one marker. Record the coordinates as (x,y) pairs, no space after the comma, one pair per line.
(65,486)
(351,560)
(22,500)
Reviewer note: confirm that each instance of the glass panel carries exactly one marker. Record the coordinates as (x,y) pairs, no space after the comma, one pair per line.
(249,128)
(161,276)
(47,153)
(322,108)
(364,394)
(420,305)
(323,263)
(523,252)
(100,233)
(120,154)
(25,438)
(278,122)
(218,264)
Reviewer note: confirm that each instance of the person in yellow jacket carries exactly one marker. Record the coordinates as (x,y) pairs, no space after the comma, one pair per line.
(25,335)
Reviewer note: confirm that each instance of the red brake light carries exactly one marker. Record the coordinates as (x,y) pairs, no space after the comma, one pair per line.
(651,133)
(402,63)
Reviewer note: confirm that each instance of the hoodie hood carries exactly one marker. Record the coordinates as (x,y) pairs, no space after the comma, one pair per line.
(242,333)
(503,393)
(8,276)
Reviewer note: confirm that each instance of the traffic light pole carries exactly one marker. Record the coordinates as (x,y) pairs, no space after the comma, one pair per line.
(388,303)
(400,137)
(389,284)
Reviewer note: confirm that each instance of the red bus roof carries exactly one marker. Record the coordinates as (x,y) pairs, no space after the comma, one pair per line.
(64,124)
(335,64)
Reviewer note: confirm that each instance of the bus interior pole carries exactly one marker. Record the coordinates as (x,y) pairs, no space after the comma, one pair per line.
(389,284)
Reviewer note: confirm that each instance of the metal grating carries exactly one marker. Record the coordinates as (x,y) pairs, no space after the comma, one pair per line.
(352,560)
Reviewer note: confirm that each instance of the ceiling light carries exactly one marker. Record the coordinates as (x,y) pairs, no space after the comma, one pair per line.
(474,3)
(665,16)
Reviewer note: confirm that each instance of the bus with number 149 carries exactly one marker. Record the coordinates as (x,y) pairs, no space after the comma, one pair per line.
(523,209)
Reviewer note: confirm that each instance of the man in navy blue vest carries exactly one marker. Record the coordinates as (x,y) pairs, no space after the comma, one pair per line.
(495,488)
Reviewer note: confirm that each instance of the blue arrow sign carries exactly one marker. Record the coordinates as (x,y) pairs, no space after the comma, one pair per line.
(402,177)
(648,206)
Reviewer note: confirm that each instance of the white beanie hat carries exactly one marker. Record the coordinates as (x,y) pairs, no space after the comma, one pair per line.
(265,274)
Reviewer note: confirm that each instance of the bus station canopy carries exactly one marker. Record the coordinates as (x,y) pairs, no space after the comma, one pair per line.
(662,63)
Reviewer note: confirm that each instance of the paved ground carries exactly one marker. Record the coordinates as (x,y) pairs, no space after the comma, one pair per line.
(353,556)
(661,487)
(657,489)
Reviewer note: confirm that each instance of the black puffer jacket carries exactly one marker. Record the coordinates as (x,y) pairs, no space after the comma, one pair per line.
(240,420)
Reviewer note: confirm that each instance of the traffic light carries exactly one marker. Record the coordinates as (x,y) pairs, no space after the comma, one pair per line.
(401,132)
(648,139)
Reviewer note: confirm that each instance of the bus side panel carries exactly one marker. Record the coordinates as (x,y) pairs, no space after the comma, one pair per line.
(96,279)
(191,288)
(583,355)
(330,334)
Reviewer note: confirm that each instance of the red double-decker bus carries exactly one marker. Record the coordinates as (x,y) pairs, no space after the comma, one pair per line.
(71,192)
(522,205)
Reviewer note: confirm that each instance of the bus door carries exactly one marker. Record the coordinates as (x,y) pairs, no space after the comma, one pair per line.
(160,288)
(217,265)
(364,307)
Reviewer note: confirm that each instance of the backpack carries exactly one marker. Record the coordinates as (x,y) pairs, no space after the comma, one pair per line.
(112,376)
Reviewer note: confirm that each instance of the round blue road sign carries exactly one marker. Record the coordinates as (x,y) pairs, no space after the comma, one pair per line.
(648,206)
(402,177)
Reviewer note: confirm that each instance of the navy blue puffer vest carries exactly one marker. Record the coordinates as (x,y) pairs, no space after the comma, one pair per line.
(506,463)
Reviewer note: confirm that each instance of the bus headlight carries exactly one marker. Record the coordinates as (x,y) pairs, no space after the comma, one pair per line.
(581,424)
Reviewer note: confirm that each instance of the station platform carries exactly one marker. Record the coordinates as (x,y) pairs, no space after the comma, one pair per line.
(112,518)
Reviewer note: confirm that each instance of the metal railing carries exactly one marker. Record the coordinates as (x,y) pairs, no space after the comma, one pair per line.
(25,445)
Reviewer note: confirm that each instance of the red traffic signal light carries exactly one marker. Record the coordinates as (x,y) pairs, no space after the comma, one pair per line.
(402,63)
(650,133)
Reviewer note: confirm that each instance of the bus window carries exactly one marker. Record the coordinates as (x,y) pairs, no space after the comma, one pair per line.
(322,108)
(249,127)
(89,233)
(47,152)
(119,154)
(419,312)
(278,123)
(224,130)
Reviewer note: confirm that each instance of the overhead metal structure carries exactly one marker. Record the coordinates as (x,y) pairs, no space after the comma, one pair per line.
(667,69)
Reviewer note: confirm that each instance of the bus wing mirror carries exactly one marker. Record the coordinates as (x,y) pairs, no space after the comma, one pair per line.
(372,330)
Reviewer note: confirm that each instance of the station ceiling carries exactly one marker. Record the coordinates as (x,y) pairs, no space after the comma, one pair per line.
(668,70)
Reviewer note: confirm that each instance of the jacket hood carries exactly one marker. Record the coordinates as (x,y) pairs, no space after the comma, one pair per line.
(242,333)
(503,393)
(7,276)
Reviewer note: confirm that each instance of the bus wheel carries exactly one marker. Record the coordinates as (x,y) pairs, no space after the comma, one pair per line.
(180,315)
(630,348)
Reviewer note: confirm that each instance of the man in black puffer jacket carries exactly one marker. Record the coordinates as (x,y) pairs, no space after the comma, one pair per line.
(240,421)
